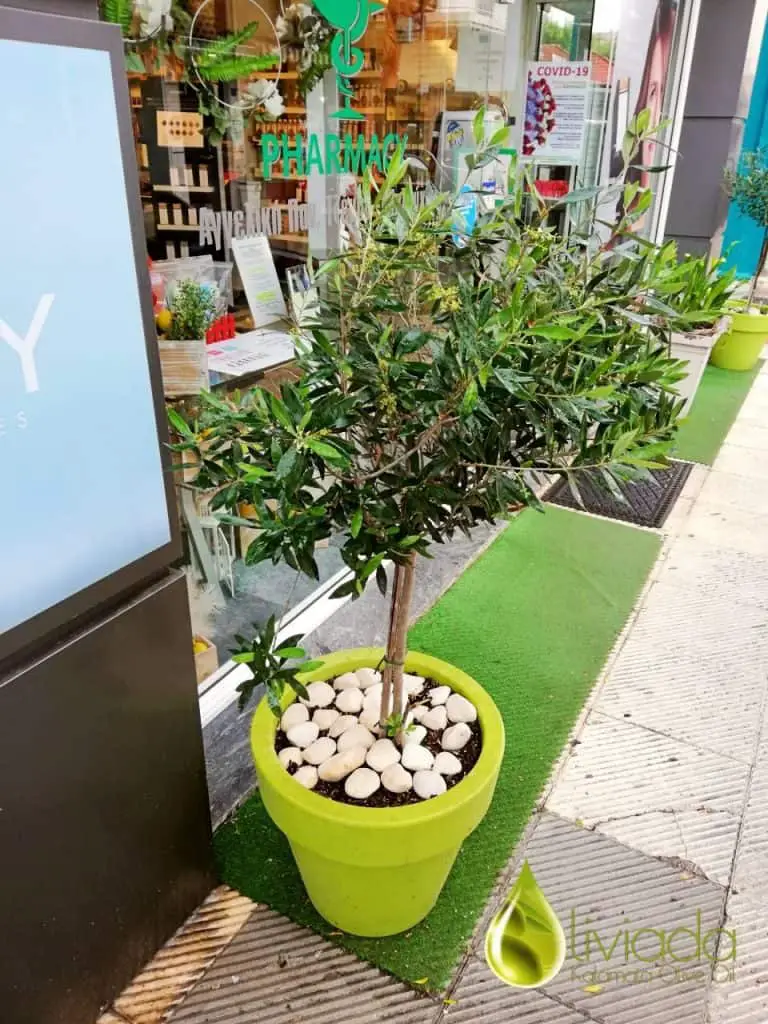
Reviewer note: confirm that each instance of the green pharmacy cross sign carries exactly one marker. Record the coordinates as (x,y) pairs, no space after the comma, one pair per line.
(350,18)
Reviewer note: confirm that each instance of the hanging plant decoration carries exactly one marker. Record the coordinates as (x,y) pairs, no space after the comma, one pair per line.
(159,35)
(306,28)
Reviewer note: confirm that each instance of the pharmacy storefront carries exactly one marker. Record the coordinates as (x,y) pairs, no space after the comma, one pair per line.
(257,129)
(255,125)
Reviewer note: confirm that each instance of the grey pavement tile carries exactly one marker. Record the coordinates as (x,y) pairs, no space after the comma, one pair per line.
(659,795)
(602,892)
(740,995)
(695,667)
(480,996)
(275,972)
(724,575)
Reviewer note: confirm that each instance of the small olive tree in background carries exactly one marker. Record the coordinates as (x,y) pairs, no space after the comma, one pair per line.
(748,188)
(442,367)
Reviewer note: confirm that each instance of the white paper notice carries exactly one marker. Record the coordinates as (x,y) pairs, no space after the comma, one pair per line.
(247,353)
(555,110)
(257,271)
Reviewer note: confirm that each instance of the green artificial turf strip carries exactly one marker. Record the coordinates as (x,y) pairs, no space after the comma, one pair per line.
(533,620)
(715,407)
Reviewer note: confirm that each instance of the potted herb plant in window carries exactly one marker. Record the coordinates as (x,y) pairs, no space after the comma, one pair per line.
(740,347)
(444,365)
(192,307)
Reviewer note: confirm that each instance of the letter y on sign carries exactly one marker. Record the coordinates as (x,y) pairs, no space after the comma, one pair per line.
(25,347)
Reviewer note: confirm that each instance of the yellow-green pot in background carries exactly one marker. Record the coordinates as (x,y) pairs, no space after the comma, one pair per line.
(740,347)
(369,870)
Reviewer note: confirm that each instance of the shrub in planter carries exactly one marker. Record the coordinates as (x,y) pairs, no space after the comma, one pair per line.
(740,347)
(697,292)
(444,366)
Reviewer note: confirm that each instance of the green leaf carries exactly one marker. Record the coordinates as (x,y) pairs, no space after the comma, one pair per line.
(478,126)
(356,522)
(469,401)
(326,451)
(287,463)
(290,652)
(311,666)
(134,63)
(178,422)
(245,658)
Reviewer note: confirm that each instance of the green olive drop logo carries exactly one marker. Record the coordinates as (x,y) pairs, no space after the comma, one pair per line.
(525,943)
(526,947)
(350,18)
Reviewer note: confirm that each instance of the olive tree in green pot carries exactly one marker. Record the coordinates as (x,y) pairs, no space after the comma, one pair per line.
(740,347)
(443,367)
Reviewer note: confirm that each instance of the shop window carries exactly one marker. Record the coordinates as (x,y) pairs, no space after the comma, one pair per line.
(251,146)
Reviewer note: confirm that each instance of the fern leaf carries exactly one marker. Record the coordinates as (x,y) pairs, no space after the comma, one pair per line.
(119,12)
(225,46)
(229,69)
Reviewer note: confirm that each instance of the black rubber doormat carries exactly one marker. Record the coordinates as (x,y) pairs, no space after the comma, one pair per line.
(647,502)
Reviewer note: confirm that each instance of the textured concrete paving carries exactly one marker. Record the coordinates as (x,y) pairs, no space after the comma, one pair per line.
(651,839)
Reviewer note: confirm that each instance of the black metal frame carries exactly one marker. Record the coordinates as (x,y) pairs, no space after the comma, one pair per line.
(74,612)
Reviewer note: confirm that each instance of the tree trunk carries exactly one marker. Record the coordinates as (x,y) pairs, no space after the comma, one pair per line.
(392,702)
(760,268)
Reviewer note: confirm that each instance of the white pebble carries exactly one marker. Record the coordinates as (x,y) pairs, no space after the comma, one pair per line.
(357,736)
(347,681)
(320,695)
(290,755)
(373,693)
(460,709)
(417,712)
(396,779)
(439,695)
(367,677)
(303,734)
(448,764)
(362,783)
(427,784)
(341,724)
(412,684)
(320,750)
(456,737)
(325,717)
(414,734)
(382,754)
(350,701)
(416,758)
(435,718)
(369,717)
(340,765)
(306,776)
(294,715)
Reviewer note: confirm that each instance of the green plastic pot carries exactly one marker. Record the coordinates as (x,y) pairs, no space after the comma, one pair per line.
(368,870)
(740,347)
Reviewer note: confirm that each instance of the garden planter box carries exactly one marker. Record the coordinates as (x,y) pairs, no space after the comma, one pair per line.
(378,871)
(694,347)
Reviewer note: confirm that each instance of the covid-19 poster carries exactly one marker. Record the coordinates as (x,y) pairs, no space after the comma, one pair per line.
(555,110)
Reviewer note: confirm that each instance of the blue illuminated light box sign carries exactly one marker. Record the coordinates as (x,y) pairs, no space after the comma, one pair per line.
(82,492)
